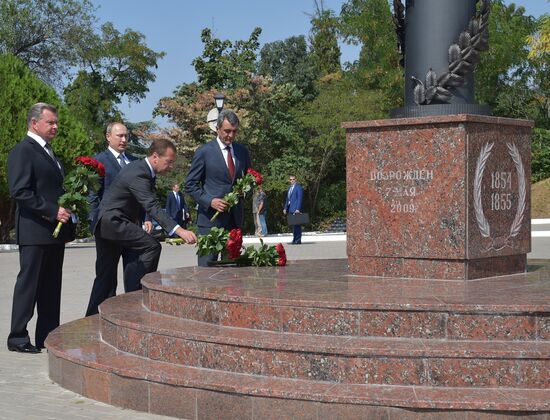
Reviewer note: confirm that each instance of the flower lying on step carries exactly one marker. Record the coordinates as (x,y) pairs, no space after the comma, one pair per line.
(230,245)
(77,184)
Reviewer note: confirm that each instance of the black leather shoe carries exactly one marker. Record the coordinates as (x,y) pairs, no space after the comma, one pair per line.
(23,348)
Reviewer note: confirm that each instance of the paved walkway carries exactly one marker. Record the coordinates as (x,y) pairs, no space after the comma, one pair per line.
(26,392)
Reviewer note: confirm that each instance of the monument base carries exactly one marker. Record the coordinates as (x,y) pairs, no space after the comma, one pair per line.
(438,269)
(310,341)
(438,197)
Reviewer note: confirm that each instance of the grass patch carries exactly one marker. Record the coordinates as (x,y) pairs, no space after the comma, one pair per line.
(540,199)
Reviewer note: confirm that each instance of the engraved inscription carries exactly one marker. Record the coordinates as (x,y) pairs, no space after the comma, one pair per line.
(501,182)
(501,198)
(401,197)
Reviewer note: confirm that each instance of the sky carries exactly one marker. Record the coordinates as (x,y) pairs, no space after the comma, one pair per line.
(174,26)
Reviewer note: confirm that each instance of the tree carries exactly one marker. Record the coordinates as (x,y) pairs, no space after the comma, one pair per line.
(323,138)
(325,51)
(368,23)
(115,65)
(224,64)
(46,35)
(20,90)
(506,60)
(288,61)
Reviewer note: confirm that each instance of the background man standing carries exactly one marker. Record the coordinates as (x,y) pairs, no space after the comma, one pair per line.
(259,211)
(35,179)
(118,227)
(176,207)
(293,205)
(114,158)
(214,169)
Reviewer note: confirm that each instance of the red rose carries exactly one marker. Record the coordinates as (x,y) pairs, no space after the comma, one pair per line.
(256,175)
(282,254)
(234,244)
(100,169)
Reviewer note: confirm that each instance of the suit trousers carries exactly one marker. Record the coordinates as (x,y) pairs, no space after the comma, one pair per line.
(108,252)
(38,283)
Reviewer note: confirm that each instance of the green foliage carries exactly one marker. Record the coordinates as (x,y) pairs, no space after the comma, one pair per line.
(324,139)
(506,59)
(45,35)
(288,61)
(540,150)
(21,89)
(226,65)
(263,256)
(325,51)
(369,23)
(114,65)
(213,243)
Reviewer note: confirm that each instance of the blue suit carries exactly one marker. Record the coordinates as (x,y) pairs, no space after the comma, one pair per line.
(208,178)
(129,256)
(175,210)
(293,204)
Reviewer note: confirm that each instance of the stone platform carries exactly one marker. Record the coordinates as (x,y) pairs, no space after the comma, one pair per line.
(311,341)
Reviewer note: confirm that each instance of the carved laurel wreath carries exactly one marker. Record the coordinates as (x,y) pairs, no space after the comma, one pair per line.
(463,55)
(484,228)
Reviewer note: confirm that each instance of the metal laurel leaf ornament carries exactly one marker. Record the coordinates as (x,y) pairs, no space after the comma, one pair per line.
(463,56)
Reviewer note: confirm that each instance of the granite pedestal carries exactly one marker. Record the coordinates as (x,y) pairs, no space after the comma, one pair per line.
(443,197)
(312,341)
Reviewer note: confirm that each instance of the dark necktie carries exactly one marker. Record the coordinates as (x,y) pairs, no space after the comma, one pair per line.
(121,160)
(48,149)
(230,163)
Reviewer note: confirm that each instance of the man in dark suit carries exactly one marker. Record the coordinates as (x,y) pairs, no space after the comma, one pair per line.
(293,205)
(118,226)
(114,158)
(35,179)
(214,169)
(176,207)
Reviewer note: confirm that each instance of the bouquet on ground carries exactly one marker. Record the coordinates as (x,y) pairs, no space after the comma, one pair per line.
(77,184)
(230,245)
(241,187)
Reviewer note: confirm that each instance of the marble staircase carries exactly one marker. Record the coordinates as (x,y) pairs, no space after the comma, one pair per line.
(311,341)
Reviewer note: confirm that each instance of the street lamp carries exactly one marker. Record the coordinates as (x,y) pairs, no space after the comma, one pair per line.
(219,98)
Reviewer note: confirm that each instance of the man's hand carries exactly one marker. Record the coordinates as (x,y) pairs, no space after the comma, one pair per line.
(63,215)
(284,211)
(148,226)
(188,236)
(218,204)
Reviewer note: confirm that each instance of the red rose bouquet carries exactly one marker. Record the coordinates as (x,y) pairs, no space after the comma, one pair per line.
(241,187)
(230,245)
(77,183)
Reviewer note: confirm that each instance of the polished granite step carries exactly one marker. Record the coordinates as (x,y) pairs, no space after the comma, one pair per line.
(311,341)
(321,298)
(127,325)
(81,362)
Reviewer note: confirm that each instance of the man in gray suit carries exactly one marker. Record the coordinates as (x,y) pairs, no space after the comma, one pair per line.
(118,226)
(214,169)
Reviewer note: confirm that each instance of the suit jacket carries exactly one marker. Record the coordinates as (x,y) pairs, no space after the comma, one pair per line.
(36,183)
(130,192)
(294,200)
(209,178)
(112,168)
(173,209)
